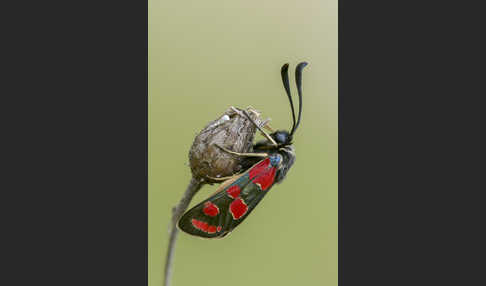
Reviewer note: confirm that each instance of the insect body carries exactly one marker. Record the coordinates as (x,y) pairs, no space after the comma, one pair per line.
(236,198)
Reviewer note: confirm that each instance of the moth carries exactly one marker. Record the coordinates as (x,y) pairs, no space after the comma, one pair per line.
(267,165)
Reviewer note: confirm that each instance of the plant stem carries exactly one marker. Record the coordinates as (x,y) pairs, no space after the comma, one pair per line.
(177,212)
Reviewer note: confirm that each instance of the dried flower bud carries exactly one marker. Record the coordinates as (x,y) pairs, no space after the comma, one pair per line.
(233,131)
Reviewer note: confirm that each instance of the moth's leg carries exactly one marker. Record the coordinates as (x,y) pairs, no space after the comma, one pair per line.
(220,178)
(266,126)
(265,134)
(242,154)
(264,123)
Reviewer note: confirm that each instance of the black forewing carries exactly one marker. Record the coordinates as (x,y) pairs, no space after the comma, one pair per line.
(250,193)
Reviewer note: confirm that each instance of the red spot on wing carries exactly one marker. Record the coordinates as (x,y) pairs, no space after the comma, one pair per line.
(265,178)
(210,209)
(233,191)
(200,225)
(204,226)
(238,208)
(260,167)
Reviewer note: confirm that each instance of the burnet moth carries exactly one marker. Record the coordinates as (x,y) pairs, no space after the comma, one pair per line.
(267,165)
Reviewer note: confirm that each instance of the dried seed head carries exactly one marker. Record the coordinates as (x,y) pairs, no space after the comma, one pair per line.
(233,131)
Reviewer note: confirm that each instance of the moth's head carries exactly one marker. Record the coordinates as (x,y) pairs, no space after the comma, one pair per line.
(282,137)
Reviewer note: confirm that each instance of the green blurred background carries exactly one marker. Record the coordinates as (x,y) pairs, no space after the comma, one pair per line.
(205,56)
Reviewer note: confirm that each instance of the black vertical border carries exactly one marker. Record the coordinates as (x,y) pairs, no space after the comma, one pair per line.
(411,146)
(74,97)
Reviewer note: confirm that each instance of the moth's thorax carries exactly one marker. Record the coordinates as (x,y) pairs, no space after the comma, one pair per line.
(288,149)
(287,155)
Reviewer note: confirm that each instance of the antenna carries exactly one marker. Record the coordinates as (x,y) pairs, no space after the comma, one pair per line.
(298,81)
(285,80)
